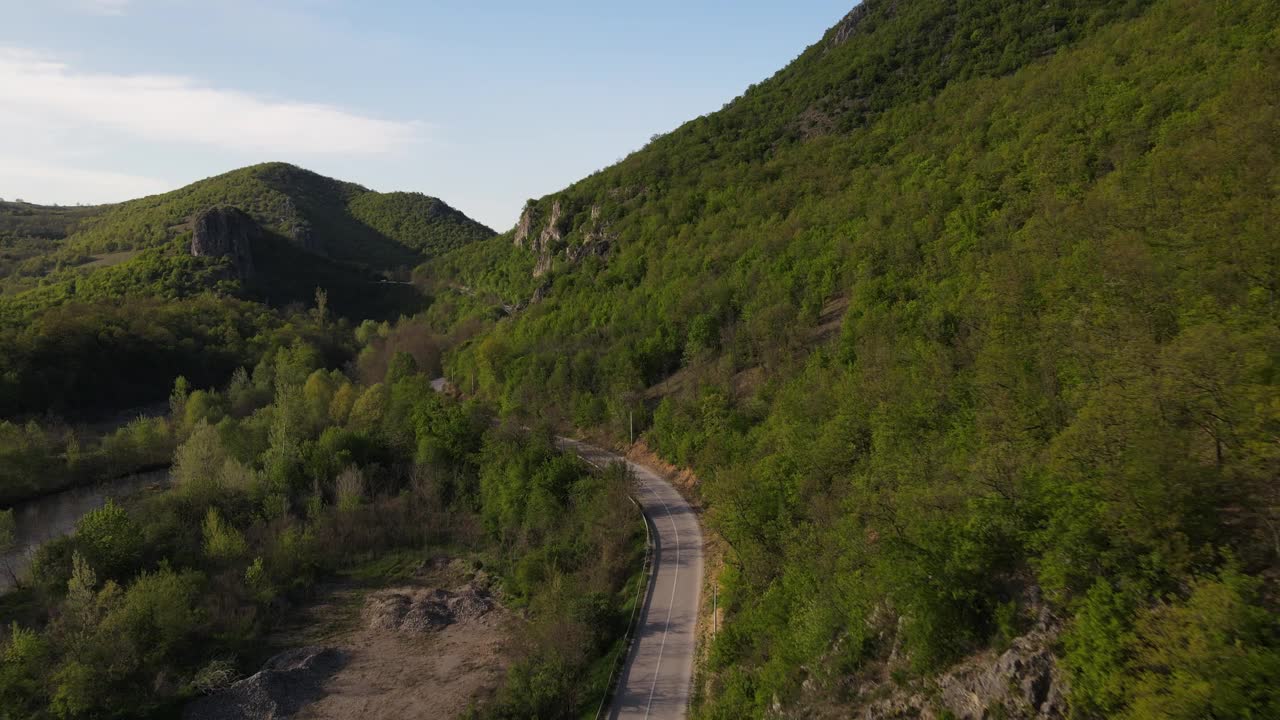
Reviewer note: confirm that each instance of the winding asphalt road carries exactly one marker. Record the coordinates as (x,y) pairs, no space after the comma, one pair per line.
(658,675)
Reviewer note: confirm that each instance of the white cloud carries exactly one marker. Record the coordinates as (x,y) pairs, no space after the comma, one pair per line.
(38,181)
(181,110)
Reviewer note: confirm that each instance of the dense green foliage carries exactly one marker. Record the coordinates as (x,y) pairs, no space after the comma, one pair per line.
(971,314)
(103,356)
(423,223)
(30,237)
(294,473)
(20,219)
(36,460)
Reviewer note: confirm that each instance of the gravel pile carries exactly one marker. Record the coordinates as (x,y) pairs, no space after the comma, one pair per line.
(416,610)
(285,684)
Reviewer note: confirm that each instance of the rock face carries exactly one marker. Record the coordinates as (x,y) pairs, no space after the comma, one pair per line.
(596,241)
(525,226)
(545,245)
(225,232)
(286,683)
(1021,682)
(845,29)
(593,239)
(551,233)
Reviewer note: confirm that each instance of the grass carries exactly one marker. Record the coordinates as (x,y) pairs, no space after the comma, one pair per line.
(109,259)
(396,566)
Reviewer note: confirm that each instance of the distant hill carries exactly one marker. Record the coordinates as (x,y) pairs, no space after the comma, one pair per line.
(132,291)
(315,232)
(341,220)
(53,222)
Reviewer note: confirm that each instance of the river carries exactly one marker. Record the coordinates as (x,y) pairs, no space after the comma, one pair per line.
(52,516)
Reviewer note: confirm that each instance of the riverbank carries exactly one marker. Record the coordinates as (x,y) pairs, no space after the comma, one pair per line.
(41,460)
(53,515)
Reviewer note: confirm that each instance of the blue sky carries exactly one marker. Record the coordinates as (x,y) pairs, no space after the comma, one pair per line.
(484,104)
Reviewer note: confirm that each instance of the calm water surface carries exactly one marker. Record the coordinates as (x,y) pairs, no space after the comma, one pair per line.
(53,516)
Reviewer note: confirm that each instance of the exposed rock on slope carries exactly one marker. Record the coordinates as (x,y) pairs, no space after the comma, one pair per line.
(592,238)
(225,232)
(547,240)
(847,26)
(1022,681)
(525,226)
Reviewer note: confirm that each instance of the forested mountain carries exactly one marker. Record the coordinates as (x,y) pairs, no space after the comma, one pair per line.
(103,306)
(967,321)
(340,221)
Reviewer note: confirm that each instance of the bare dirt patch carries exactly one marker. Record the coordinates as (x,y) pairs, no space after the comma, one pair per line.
(419,654)
(430,647)
(419,651)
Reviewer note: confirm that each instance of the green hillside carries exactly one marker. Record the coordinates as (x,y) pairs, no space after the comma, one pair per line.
(339,221)
(967,320)
(102,307)
(343,220)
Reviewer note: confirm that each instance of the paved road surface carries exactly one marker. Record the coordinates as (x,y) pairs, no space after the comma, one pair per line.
(658,675)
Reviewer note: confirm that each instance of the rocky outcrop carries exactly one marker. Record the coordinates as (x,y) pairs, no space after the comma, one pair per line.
(540,293)
(543,266)
(1020,681)
(848,25)
(1023,681)
(598,246)
(547,239)
(525,226)
(302,236)
(595,240)
(285,684)
(544,245)
(225,232)
(551,232)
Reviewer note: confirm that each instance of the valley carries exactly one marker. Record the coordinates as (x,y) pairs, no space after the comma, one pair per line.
(936,375)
